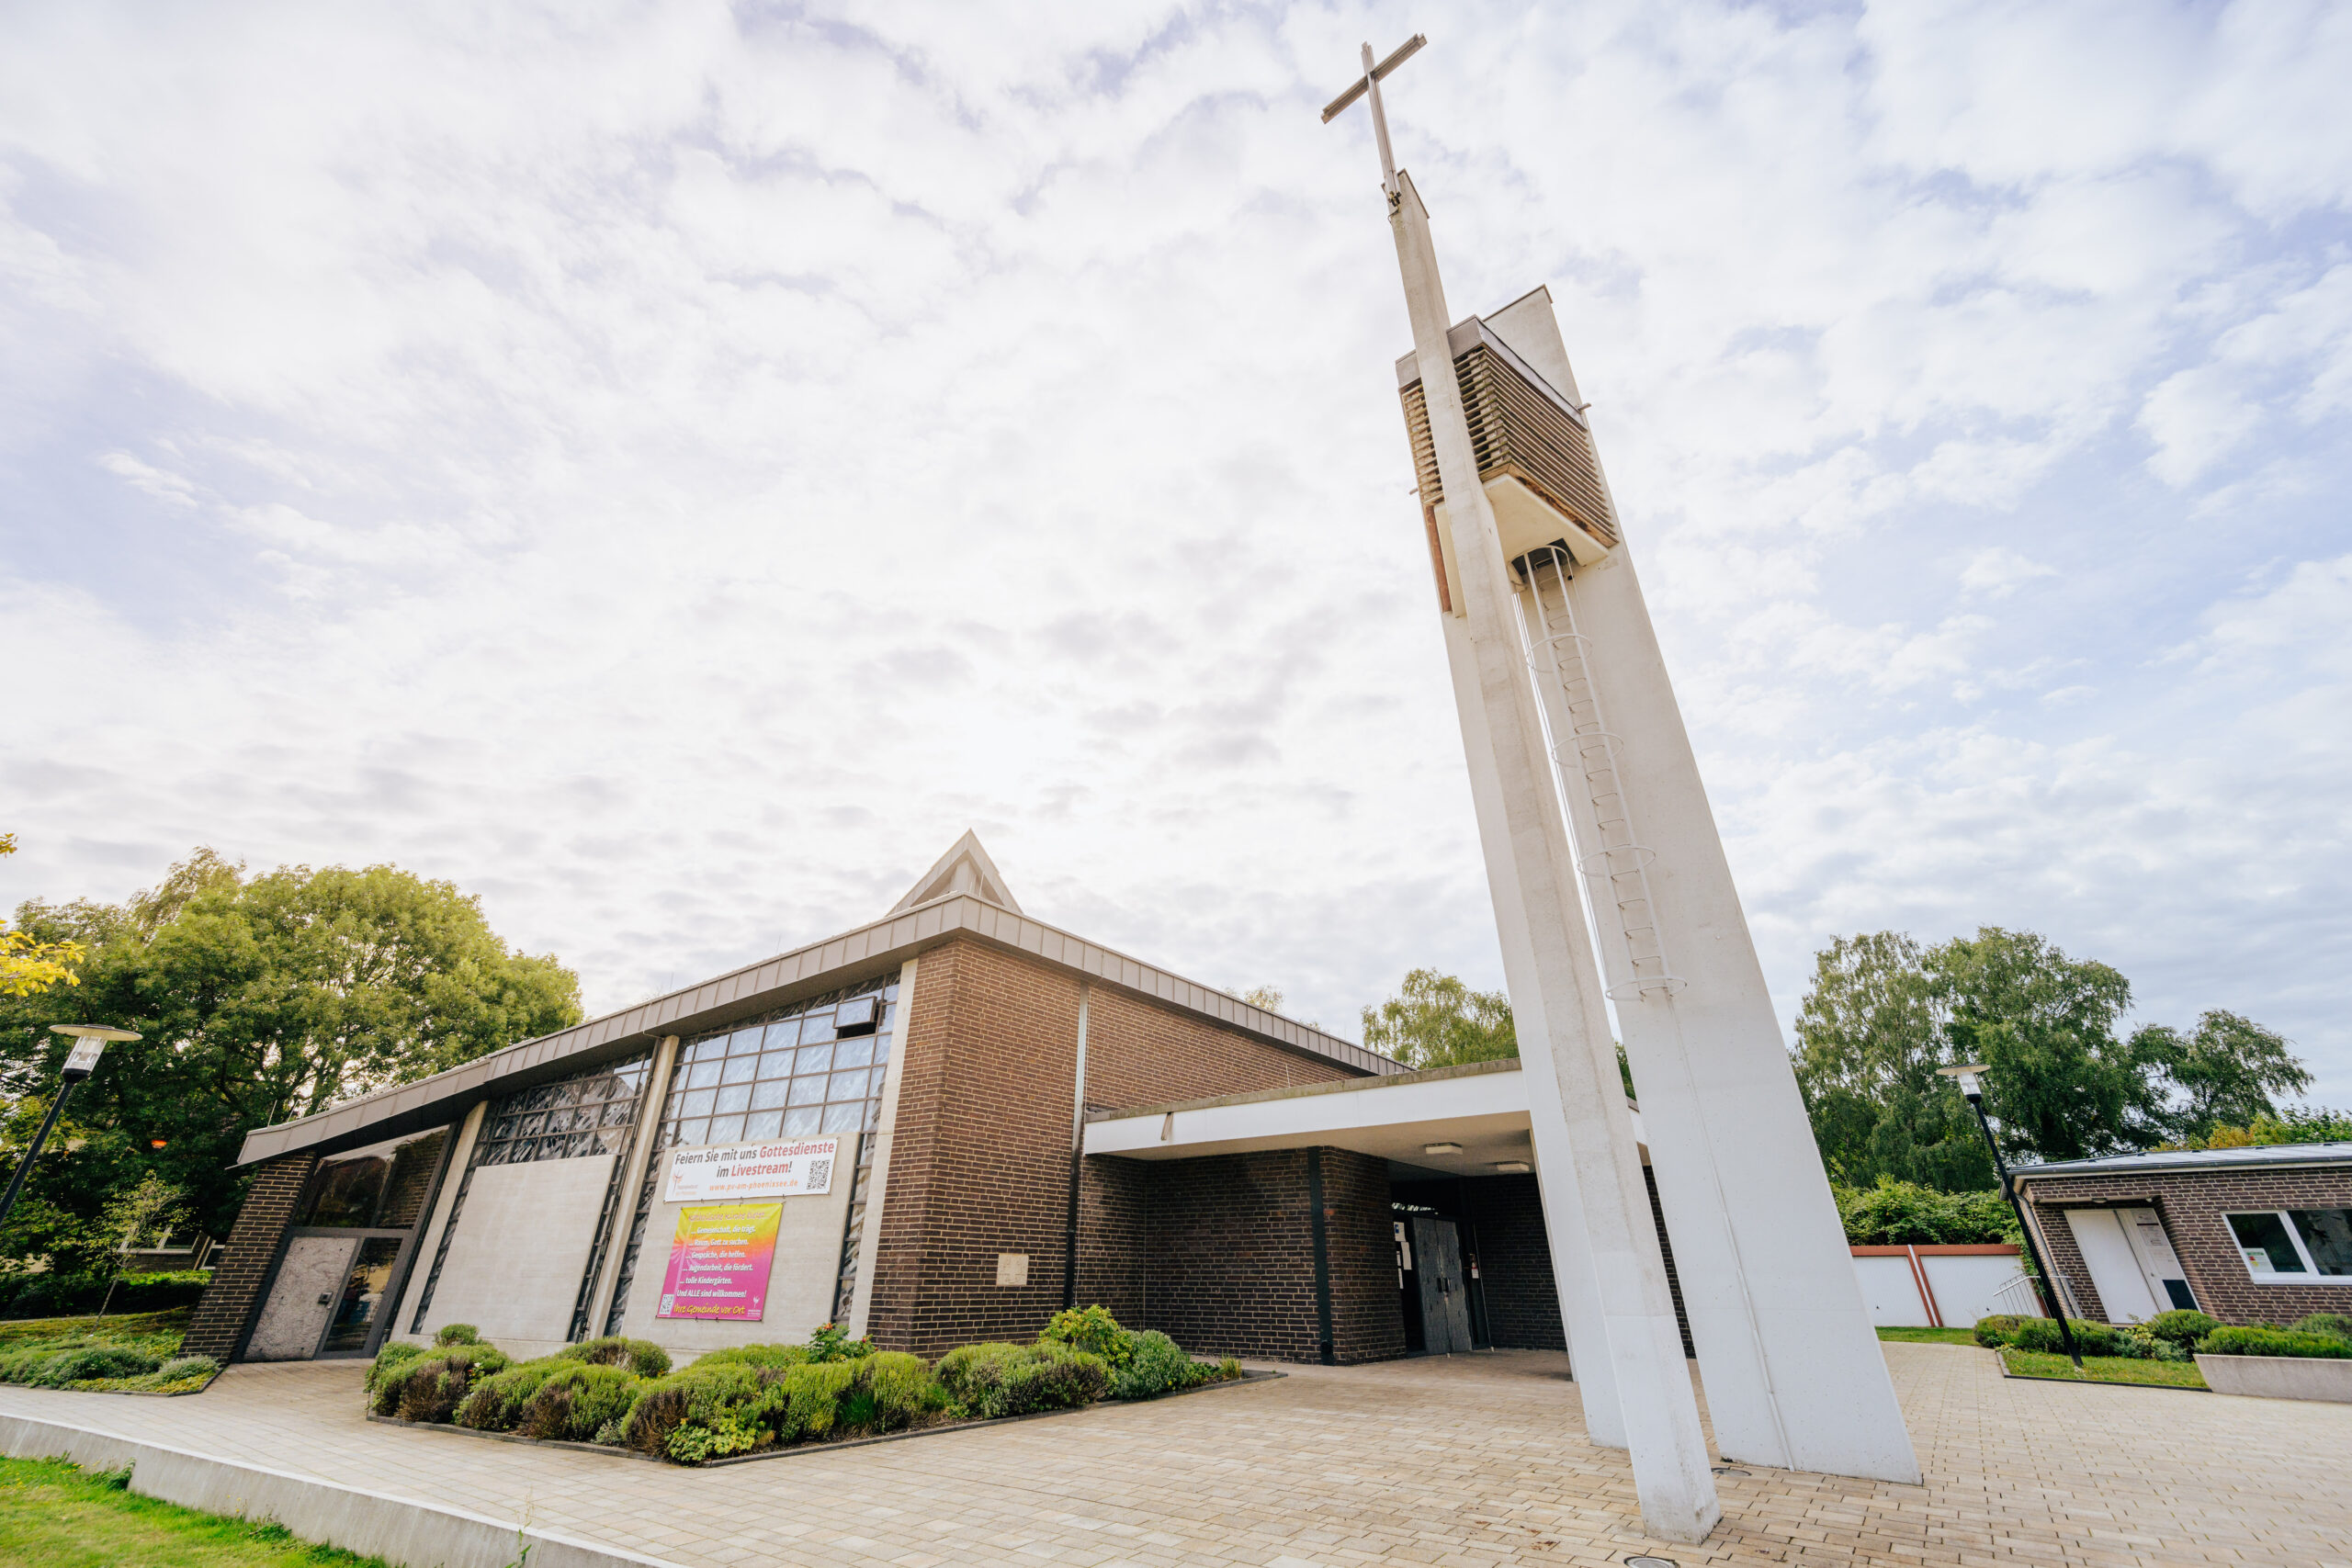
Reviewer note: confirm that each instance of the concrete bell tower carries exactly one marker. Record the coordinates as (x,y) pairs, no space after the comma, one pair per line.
(1588,795)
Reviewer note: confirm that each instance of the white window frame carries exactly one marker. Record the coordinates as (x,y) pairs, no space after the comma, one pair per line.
(2312,1274)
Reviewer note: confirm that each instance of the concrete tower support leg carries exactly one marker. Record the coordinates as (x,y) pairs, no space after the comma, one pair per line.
(1579,1123)
(1572,1262)
(1794,1371)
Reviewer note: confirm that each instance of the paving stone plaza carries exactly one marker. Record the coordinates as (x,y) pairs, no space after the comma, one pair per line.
(1467,1459)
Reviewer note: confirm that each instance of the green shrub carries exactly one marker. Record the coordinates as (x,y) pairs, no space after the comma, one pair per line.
(694,1443)
(833,1343)
(1893,1213)
(897,1382)
(697,1395)
(86,1363)
(2274,1342)
(457,1334)
(2336,1323)
(2181,1326)
(641,1356)
(1056,1383)
(388,1359)
(182,1368)
(1158,1366)
(753,1356)
(495,1402)
(431,1389)
(810,1396)
(574,1403)
(2091,1338)
(968,1371)
(1091,1329)
(1997,1330)
(1230,1368)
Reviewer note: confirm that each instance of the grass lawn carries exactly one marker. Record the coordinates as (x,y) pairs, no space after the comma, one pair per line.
(2103,1368)
(53,1516)
(157,1333)
(1928,1336)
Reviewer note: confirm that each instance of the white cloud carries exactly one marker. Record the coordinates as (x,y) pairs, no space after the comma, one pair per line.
(672,470)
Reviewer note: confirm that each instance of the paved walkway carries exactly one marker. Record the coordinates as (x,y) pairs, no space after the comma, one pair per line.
(1470,1460)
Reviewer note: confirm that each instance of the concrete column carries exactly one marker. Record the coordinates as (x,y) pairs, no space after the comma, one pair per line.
(1794,1372)
(1587,1159)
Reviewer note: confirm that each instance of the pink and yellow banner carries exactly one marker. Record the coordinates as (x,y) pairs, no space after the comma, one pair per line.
(720,1261)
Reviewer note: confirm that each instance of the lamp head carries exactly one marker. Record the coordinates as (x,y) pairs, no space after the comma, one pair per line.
(1972,1079)
(89,1039)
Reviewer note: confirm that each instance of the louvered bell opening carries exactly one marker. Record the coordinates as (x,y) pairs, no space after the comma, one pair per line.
(1520,431)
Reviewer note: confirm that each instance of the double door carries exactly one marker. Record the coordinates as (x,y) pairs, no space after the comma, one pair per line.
(332,1292)
(2132,1263)
(1430,1250)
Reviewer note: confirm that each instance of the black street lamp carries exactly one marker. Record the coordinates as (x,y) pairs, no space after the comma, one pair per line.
(1972,1084)
(89,1039)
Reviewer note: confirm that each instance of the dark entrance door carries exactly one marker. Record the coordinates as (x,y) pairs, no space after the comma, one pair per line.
(1444,1302)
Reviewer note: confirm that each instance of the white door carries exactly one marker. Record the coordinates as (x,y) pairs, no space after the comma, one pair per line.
(295,1319)
(2114,1265)
(2167,1280)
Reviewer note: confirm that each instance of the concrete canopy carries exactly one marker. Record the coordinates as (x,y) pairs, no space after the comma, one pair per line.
(1480,1106)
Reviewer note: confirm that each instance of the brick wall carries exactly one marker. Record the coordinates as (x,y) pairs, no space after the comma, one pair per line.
(2192,1203)
(1506,1217)
(1217,1253)
(226,1309)
(980,1157)
(1360,1235)
(1665,1253)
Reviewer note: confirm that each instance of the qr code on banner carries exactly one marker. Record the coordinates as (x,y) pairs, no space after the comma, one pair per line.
(820,1174)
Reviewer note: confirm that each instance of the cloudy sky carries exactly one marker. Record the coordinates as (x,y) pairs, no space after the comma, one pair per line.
(672,468)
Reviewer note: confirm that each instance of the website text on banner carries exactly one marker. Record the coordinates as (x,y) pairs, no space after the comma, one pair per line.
(780,1167)
(720,1261)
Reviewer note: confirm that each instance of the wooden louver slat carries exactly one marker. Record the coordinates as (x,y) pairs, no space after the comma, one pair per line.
(1515,430)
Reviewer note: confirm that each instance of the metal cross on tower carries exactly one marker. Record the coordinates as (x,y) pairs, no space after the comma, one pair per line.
(1369,82)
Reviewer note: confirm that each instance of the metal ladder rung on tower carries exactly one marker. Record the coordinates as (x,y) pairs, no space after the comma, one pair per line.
(1556,651)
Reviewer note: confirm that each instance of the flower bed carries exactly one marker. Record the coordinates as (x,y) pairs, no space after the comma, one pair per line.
(2228,1360)
(103,1355)
(622,1395)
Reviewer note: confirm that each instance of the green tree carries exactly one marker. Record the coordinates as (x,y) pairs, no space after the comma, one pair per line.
(29,965)
(2226,1069)
(1884,1013)
(2062,1085)
(260,998)
(1435,1020)
(1869,1038)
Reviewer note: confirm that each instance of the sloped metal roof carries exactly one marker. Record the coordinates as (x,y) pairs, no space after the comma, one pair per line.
(859,954)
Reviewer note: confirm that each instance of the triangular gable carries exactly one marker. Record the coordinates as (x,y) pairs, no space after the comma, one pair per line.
(965,868)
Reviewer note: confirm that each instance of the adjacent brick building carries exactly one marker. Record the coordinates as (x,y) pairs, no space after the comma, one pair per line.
(906,1108)
(2259,1236)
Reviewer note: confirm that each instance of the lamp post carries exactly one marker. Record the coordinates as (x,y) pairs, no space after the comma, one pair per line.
(89,1039)
(1972,1084)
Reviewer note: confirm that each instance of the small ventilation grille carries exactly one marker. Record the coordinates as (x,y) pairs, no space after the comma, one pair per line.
(1518,431)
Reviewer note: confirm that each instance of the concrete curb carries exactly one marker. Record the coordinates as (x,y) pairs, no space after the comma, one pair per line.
(414,1535)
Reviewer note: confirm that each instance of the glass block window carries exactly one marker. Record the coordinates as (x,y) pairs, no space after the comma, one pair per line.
(812,1069)
(590,1112)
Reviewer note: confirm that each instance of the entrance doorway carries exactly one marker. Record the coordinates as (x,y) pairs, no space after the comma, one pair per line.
(348,1252)
(1437,1293)
(2132,1263)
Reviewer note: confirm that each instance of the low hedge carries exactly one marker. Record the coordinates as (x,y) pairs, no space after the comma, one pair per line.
(2274,1342)
(69,1295)
(747,1398)
(102,1365)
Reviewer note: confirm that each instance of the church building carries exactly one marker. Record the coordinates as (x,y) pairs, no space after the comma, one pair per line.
(938,1128)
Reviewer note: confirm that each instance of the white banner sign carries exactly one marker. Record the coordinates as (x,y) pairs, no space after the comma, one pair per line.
(780,1167)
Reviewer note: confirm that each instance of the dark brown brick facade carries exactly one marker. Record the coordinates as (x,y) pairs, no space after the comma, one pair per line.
(980,1145)
(1217,1253)
(1505,1216)
(2192,1203)
(217,1327)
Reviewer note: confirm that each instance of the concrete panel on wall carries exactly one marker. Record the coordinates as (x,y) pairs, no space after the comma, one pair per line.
(295,1314)
(521,1244)
(800,1281)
